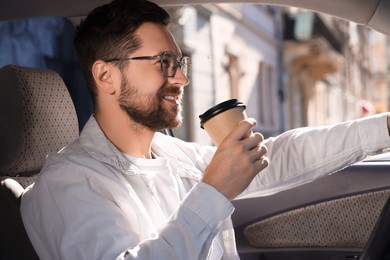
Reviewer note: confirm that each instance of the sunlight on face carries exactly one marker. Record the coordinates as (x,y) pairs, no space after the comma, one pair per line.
(151,111)
(148,97)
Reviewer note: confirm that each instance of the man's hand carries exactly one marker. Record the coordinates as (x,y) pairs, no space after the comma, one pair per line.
(238,159)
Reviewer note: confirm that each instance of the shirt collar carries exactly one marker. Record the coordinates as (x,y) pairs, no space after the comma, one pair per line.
(96,144)
(94,141)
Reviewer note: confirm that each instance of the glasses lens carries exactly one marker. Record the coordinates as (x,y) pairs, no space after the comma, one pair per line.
(185,66)
(168,64)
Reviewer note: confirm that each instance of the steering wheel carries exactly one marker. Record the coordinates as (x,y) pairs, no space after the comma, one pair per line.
(378,244)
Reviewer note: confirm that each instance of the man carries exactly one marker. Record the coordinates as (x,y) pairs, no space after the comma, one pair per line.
(123,190)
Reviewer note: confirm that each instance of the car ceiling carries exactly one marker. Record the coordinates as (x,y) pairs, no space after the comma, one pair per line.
(372,13)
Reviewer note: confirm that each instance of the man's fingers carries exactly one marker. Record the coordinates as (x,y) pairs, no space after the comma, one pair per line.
(243,129)
(258,153)
(263,162)
(254,141)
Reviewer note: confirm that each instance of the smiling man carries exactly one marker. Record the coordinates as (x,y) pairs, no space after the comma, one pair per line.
(147,89)
(123,190)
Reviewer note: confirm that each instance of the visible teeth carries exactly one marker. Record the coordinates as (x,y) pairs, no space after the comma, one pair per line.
(169,97)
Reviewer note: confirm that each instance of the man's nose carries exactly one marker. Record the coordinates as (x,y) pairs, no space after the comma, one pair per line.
(179,78)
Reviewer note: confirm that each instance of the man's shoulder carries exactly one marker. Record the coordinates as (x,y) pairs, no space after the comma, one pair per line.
(72,162)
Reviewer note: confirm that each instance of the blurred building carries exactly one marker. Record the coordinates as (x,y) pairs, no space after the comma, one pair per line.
(236,53)
(292,68)
(336,70)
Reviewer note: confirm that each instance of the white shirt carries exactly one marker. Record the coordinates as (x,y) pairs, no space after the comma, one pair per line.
(156,180)
(93,202)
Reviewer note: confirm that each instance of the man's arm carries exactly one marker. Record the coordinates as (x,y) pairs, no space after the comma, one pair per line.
(302,155)
(191,230)
(76,220)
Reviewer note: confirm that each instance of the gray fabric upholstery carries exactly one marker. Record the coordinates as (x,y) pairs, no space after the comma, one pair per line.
(37,117)
(343,222)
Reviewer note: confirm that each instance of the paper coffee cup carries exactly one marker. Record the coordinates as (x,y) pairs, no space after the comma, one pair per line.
(219,120)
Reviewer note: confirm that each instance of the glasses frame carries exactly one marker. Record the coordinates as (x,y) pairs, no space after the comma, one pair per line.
(184,63)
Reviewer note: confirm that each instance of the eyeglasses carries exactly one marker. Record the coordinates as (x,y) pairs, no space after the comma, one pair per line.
(169,63)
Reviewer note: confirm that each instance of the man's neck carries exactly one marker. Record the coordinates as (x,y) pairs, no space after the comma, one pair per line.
(128,136)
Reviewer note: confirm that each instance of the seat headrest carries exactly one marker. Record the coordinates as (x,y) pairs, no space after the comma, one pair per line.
(37,117)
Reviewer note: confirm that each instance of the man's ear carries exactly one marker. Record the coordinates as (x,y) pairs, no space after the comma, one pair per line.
(104,76)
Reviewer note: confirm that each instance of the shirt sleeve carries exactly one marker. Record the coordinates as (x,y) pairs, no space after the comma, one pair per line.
(301,155)
(73,219)
(189,234)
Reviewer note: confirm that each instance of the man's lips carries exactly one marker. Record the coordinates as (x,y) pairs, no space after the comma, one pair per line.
(173,95)
(173,98)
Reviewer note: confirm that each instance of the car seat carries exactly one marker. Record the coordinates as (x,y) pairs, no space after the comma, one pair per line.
(37,117)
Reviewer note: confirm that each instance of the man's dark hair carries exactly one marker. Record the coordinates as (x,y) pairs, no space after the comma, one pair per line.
(108,32)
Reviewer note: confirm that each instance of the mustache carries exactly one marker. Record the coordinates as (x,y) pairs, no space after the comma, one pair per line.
(171,90)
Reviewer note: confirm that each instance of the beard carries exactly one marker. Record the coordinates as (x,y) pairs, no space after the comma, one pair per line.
(150,111)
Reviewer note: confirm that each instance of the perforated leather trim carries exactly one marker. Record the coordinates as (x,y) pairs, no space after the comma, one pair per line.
(345,222)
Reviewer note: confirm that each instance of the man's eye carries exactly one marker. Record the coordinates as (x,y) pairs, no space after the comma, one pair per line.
(165,62)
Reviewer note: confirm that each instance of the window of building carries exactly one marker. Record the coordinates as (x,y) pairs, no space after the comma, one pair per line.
(234,76)
(266,97)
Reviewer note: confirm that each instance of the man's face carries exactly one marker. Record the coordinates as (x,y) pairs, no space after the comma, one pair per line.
(147,96)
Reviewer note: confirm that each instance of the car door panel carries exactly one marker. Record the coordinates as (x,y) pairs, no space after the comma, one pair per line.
(330,218)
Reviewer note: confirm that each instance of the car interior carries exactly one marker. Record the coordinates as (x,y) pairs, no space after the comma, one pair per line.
(40,124)
(341,216)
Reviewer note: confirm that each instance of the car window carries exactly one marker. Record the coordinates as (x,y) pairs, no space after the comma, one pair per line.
(291,67)
(46,42)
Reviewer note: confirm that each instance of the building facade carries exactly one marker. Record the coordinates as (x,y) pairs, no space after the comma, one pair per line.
(236,53)
(336,70)
(292,68)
